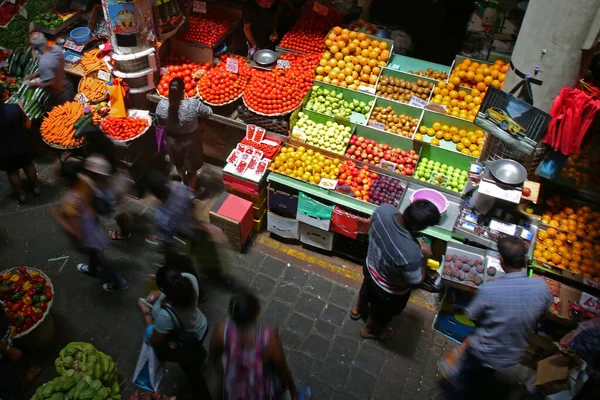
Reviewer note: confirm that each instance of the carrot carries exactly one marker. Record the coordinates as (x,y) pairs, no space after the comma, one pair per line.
(57,127)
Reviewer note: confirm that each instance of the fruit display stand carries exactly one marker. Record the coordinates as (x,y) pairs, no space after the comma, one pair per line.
(383,115)
(414,86)
(453,135)
(353,106)
(414,66)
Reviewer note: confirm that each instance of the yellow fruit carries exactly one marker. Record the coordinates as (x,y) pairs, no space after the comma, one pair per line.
(435,142)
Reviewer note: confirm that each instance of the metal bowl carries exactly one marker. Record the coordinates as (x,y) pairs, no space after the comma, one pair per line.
(265,57)
(508,171)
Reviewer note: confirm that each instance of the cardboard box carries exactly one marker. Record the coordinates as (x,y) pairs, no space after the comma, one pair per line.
(288,228)
(540,347)
(283,202)
(553,374)
(235,217)
(316,237)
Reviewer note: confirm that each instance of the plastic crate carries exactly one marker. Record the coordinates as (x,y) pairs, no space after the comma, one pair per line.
(348,224)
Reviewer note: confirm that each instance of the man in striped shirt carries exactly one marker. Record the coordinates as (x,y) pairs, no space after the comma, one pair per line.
(396,261)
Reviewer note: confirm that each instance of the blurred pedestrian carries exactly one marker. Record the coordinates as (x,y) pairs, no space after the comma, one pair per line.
(16,152)
(396,261)
(506,312)
(8,353)
(184,136)
(253,356)
(77,215)
(179,327)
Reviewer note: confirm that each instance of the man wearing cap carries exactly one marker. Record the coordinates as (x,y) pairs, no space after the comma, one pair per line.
(77,216)
(51,74)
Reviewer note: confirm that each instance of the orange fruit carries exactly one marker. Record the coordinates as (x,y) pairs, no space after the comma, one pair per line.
(552,232)
(481,86)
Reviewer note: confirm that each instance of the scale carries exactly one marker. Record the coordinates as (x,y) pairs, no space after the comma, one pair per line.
(254,64)
(491,187)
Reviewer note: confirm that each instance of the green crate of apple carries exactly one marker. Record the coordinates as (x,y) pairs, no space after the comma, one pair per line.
(456,179)
(332,102)
(329,135)
(48,20)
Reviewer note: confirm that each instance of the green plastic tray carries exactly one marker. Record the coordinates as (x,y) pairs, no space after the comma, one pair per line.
(399,108)
(404,64)
(406,77)
(429,117)
(447,157)
(349,94)
(383,137)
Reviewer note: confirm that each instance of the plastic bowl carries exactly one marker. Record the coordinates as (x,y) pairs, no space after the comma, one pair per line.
(81,35)
(438,199)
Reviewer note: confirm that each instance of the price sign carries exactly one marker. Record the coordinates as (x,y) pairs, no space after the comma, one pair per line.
(436,107)
(82,99)
(231,65)
(320,9)
(495,191)
(23,12)
(283,64)
(298,134)
(387,165)
(417,102)
(199,7)
(366,89)
(377,125)
(103,75)
(395,66)
(69,44)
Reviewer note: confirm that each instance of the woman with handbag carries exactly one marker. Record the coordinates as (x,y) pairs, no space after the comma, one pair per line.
(184,138)
(254,361)
(179,327)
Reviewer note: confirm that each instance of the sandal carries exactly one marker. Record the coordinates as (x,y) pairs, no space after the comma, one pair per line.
(85,269)
(116,235)
(386,335)
(113,287)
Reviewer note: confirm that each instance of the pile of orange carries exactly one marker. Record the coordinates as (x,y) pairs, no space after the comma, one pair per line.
(473,74)
(568,251)
(352,59)
(579,220)
(467,142)
(459,102)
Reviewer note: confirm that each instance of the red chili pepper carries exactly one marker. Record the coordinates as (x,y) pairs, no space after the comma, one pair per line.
(48,294)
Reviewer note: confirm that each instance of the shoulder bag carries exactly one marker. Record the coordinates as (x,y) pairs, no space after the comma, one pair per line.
(182,347)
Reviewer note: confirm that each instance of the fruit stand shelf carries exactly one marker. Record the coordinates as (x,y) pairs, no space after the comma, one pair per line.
(566,277)
(405,64)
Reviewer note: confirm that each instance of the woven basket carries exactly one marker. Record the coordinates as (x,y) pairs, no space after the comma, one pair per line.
(49,283)
(94,75)
(221,104)
(59,147)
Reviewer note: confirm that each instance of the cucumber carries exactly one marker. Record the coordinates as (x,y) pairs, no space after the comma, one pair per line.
(79,131)
(26,57)
(82,120)
(15,62)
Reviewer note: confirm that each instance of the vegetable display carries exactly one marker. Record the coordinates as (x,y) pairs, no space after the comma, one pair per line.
(307,33)
(366,185)
(21,63)
(83,358)
(94,89)
(208,29)
(281,90)
(73,385)
(33,101)
(90,61)
(48,20)
(17,30)
(29,299)
(124,128)
(181,67)
(58,127)
(8,10)
(219,86)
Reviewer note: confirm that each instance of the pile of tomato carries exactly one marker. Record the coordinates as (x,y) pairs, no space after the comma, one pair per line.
(281,90)
(27,299)
(219,86)
(208,29)
(181,67)
(123,128)
(308,32)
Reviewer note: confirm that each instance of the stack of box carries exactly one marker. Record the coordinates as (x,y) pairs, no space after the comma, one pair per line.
(254,192)
(234,216)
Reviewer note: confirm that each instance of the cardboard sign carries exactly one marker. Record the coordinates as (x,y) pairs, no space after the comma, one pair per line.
(23,12)
(71,45)
(103,75)
(320,9)
(377,124)
(199,7)
(417,102)
(82,99)
(232,65)
(283,64)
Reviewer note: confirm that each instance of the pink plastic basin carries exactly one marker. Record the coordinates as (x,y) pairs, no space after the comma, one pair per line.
(433,196)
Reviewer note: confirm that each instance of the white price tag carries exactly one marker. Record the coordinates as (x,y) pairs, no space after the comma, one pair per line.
(328,184)
(417,102)
(388,165)
(492,190)
(503,227)
(395,66)
(103,75)
(23,12)
(283,64)
(367,89)
(232,65)
(377,124)
(163,70)
(298,134)
(320,9)
(82,99)
(199,7)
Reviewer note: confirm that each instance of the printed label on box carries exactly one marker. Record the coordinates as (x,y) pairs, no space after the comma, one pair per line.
(254,162)
(377,124)
(417,102)
(231,65)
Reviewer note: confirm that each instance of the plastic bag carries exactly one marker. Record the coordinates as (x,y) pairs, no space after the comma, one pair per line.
(148,371)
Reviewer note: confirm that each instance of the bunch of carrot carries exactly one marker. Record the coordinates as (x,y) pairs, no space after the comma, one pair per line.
(94,89)
(90,61)
(57,127)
